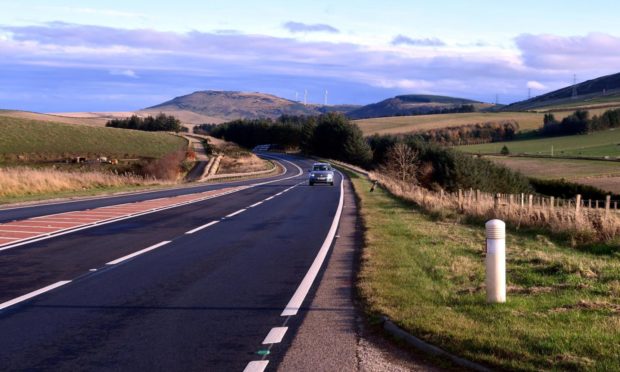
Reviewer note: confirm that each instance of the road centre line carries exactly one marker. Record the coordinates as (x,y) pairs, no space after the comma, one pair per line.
(32,294)
(236,213)
(125,258)
(202,227)
(255,204)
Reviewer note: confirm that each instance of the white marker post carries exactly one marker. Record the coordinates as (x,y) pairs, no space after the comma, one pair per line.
(496,261)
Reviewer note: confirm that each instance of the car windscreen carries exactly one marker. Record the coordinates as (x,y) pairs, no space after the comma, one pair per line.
(320,168)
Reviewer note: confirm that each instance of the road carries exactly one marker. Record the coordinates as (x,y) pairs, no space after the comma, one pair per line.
(198,286)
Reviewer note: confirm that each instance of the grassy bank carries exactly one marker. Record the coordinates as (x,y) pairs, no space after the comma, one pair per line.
(25,184)
(36,140)
(427,275)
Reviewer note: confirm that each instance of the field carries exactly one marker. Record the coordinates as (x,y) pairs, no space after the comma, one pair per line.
(68,118)
(598,144)
(406,124)
(569,169)
(36,140)
(427,275)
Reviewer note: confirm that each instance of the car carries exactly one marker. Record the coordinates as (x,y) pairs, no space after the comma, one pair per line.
(321,173)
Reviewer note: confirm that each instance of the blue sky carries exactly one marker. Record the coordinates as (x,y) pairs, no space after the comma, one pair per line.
(58,56)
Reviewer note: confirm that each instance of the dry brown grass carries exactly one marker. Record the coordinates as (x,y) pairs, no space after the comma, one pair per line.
(242,164)
(21,181)
(585,226)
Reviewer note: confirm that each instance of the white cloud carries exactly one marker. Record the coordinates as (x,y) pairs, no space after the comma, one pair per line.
(535,85)
(126,72)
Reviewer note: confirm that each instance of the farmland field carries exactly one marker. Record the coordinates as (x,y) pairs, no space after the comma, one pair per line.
(406,124)
(598,144)
(45,140)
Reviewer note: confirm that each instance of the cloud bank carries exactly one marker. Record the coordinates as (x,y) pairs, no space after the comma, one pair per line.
(151,64)
(295,27)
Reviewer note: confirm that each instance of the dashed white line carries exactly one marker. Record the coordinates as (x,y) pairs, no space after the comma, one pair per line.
(125,258)
(269,198)
(202,227)
(255,204)
(33,294)
(236,213)
(256,366)
(275,335)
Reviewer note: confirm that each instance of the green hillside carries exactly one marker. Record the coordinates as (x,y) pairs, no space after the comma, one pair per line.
(602,91)
(36,140)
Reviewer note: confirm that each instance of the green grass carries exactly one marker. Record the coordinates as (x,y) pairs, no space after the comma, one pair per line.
(598,144)
(547,168)
(43,140)
(562,313)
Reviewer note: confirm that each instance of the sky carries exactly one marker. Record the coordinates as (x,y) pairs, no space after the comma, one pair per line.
(67,56)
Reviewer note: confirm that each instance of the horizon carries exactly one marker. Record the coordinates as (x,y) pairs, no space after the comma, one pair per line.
(125,57)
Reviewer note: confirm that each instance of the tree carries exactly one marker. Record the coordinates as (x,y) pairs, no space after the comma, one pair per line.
(505,150)
(402,163)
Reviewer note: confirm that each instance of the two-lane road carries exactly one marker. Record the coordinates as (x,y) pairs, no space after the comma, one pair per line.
(200,286)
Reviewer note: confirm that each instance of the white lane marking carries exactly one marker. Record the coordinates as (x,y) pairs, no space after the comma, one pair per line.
(256,366)
(33,294)
(84,226)
(202,227)
(302,291)
(269,198)
(255,204)
(275,335)
(236,213)
(278,194)
(125,258)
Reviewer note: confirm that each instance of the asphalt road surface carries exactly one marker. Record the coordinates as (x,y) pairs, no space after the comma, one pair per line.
(213,285)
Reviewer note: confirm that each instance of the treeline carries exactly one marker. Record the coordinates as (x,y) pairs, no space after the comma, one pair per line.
(580,123)
(330,135)
(436,110)
(441,167)
(161,122)
(471,134)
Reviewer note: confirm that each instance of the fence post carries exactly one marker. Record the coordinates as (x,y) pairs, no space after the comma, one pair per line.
(607,205)
(496,261)
(522,200)
(460,199)
(577,205)
(551,204)
(589,203)
(477,196)
(530,199)
(496,201)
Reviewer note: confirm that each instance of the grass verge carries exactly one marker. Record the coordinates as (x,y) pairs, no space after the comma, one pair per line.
(427,275)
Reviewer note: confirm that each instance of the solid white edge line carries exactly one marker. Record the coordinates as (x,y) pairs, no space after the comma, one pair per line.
(20,242)
(256,366)
(255,204)
(236,213)
(269,198)
(300,294)
(134,254)
(202,227)
(33,294)
(275,336)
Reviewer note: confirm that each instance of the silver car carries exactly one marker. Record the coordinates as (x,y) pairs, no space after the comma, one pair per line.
(321,173)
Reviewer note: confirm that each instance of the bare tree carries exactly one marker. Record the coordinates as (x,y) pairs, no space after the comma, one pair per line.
(402,163)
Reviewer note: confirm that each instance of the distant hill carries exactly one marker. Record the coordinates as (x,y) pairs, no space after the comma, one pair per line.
(599,92)
(412,104)
(230,105)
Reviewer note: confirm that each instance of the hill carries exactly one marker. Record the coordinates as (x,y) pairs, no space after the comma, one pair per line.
(412,104)
(219,106)
(28,139)
(596,93)
(95,119)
